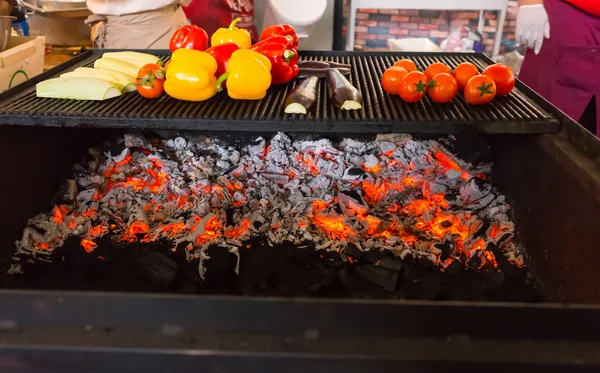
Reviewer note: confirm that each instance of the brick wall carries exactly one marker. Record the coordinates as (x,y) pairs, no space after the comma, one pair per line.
(375,26)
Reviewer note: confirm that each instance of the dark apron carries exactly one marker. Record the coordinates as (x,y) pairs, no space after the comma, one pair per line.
(565,72)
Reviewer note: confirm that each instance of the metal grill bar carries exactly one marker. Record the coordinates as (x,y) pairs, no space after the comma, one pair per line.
(515,113)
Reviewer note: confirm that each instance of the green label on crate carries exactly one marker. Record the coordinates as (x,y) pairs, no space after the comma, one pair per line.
(14,75)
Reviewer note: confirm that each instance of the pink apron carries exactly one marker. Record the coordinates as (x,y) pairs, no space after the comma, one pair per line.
(567,70)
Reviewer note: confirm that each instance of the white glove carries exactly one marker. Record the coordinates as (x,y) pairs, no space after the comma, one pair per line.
(532,26)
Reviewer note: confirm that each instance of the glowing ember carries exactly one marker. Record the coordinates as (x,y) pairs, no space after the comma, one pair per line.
(449,164)
(88,245)
(234,233)
(404,197)
(138,227)
(334,227)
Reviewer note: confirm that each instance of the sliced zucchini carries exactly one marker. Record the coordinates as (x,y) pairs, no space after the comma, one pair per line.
(77,88)
(135,58)
(126,82)
(118,66)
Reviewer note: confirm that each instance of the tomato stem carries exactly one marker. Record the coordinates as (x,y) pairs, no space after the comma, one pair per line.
(485,89)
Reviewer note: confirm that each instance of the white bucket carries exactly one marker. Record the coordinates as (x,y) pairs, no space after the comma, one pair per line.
(302,15)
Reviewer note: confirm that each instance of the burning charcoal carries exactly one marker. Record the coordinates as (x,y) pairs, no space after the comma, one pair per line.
(86,195)
(354,174)
(117,154)
(135,141)
(471,151)
(453,268)
(320,183)
(67,193)
(475,262)
(386,147)
(475,190)
(371,162)
(507,237)
(200,193)
(445,250)
(276,178)
(435,188)
(353,203)
(505,266)
(353,251)
(394,137)
(157,268)
(258,148)
(138,221)
(353,146)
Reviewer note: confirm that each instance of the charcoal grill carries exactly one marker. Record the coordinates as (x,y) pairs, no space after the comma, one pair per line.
(518,112)
(551,180)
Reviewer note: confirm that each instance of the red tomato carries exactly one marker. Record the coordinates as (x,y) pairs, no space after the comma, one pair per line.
(480,89)
(437,68)
(390,81)
(443,88)
(407,64)
(151,80)
(463,73)
(413,86)
(503,76)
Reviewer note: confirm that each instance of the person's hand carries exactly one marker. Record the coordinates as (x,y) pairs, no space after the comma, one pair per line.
(532,26)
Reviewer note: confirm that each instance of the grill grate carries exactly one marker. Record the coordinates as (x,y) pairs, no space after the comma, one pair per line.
(515,113)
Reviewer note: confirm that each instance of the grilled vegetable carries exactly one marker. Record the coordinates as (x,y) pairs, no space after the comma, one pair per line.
(284,60)
(284,30)
(189,37)
(151,80)
(302,98)
(118,66)
(248,75)
(222,53)
(280,39)
(323,65)
(135,58)
(232,34)
(77,89)
(344,95)
(319,72)
(191,75)
(125,82)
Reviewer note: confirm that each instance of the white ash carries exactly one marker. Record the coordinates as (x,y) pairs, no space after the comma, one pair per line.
(395,194)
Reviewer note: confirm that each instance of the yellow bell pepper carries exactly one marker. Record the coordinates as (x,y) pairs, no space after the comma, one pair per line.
(191,75)
(248,75)
(232,34)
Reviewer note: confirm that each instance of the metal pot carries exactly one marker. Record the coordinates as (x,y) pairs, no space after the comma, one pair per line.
(5,31)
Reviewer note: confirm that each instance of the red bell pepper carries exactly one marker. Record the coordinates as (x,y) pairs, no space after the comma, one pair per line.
(189,37)
(222,53)
(284,60)
(285,40)
(284,30)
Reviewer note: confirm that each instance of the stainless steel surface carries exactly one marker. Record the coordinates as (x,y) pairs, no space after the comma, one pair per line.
(72,10)
(5,31)
(50,5)
(5,8)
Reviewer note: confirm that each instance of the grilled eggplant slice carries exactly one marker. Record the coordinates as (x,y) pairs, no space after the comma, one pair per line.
(344,95)
(306,72)
(303,97)
(323,65)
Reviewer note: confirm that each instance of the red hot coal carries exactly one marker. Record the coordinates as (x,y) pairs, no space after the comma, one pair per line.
(411,199)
